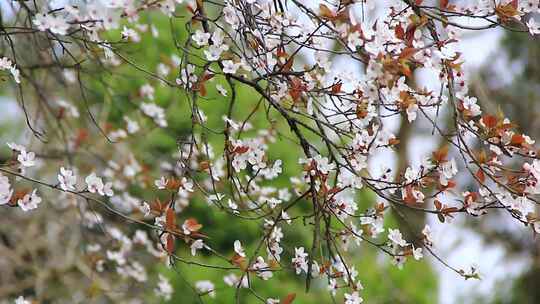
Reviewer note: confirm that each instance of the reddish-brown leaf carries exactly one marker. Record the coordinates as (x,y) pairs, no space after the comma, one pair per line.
(438,204)
(440,155)
(61,113)
(514,4)
(241,149)
(170,218)
(444,4)
(288,64)
(407,53)
(380,207)
(336,88)
(297,87)
(406,70)
(170,243)
(399,32)
(201,84)
(18,195)
(472,196)
(172,184)
(517,140)
(361,111)
(158,207)
(326,13)
(207,76)
(409,197)
(481,176)
(201,88)
(409,34)
(192,225)
(281,52)
(238,260)
(82,136)
(489,121)
(449,210)
(288,299)
(507,11)
(393,141)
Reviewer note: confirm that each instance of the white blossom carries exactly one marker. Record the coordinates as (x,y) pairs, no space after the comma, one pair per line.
(95,185)
(156,112)
(21,300)
(533,26)
(161,183)
(233,280)
(353,298)
(300,260)
(205,287)
(29,201)
(164,288)
(201,38)
(239,249)
(196,245)
(67,179)
(5,190)
(411,112)
(395,236)
(262,269)
(55,24)
(417,253)
(221,90)
(130,34)
(229,67)
(26,159)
